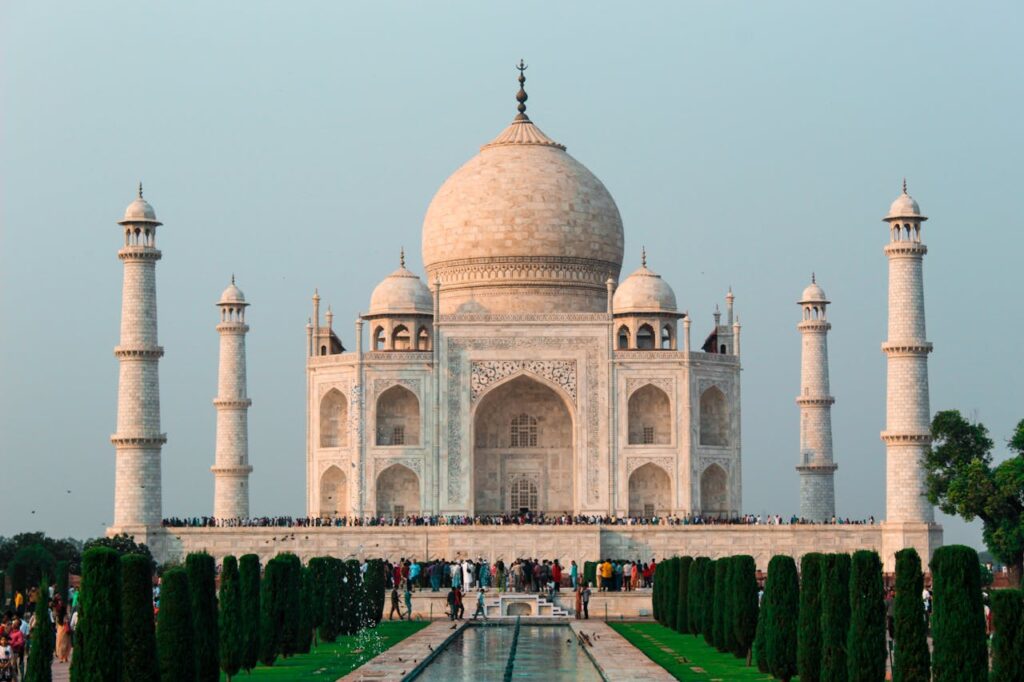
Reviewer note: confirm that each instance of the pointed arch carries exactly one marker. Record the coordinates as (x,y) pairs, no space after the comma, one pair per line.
(667,337)
(623,337)
(714,418)
(714,490)
(400,338)
(398,491)
(334,420)
(333,492)
(379,338)
(649,416)
(650,491)
(398,417)
(423,339)
(645,337)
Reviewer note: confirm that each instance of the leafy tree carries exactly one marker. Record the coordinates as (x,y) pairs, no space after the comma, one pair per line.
(719,615)
(62,579)
(374,583)
(682,597)
(98,652)
(708,607)
(68,549)
(122,544)
(911,658)
(671,580)
(3,590)
(782,596)
(40,654)
(29,565)
(865,643)
(272,590)
(958,618)
(694,595)
(744,608)
(230,624)
(808,646)
(175,640)
(835,616)
(202,584)
(249,583)
(962,480)
(306,611)
(139,661)
(1008,639)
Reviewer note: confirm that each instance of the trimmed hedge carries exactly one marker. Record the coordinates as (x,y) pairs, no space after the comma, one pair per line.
(98,638)
(744,608)
(682,594)
(695,595)
(175,641)
(719,609)
(1008,640)
(202,585)
(230,624)
(708,607)
(139,660)
(61,580)
(40,654)
(865,643)
(307,591)
(249,583)
(782,601)
(353,600)
(671,580)
(959,650)
(808,645)
(273,589)
(374,585)
(291,606)
(911,658)
(835,616)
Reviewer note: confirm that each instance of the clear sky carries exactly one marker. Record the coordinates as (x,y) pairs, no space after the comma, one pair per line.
(298,145)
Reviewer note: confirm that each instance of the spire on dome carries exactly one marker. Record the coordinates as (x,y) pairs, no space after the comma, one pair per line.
(643,256)
(904,185)
(813,280)
(140,189)
(401,257)
(521,96)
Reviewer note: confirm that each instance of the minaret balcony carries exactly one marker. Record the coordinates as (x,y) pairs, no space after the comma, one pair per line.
(139,253)
(138,441)
(892,348)
(139,352)
(815,401)
(905,249)
(232,402)
(896,438)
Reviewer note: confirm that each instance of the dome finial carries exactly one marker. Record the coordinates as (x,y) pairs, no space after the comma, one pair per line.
(140,189)
(643,256)
(401,257)
(813,281)
(232,278)
(904,185)
(521,96)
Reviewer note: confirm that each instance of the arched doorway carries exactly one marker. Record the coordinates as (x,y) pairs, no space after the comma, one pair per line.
(398,492)
(333,493)
(714,490)
(398,417)
(714,418)
(650,491)
(334,420)
(523,437)
(650,417)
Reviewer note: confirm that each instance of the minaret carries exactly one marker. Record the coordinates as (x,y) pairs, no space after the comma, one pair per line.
(817,487)
(907,434)
(231,469)
(138,441)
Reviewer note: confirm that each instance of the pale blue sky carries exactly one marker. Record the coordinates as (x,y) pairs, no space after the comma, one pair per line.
(298,145)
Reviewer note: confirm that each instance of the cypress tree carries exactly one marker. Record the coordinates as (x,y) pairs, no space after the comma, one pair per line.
(1008,640)
(744,611)
(271,617)
(708,607)
(808,646)
(307,590)
(249,582)
(657,591)
(62,578)
(139,660)
(911,658)
(40,654)
(3,591)
(682,596)
(355,597)
(719,637)
(668,606)
(175,641)
(694,593)
(835,616)
(202,585)
(98,651)
(291,604)
(865,643)
(758,651)
(230,625)
(374,585)
(959,651)
(729,617)
(317,570)
(782,592)
(329,589)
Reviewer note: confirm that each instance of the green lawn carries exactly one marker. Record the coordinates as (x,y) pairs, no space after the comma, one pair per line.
(328,662)
(684,656)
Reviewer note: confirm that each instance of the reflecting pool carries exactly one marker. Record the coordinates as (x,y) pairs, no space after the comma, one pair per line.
(542,652)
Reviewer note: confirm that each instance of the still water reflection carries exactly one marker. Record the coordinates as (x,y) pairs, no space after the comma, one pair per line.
(544,652)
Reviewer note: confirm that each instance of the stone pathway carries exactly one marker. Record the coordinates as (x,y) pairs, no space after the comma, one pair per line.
(61,671)
(615,657)
(400,660)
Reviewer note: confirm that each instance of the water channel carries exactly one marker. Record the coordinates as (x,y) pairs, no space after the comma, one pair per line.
(541,652)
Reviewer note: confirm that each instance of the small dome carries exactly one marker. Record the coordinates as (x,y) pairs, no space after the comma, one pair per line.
(401,293)
(813,294)
(232,295)
(904,207)
(644,292)
(139,211)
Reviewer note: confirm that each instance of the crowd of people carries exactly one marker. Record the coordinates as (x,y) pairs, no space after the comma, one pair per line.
(19,627)
(524,519)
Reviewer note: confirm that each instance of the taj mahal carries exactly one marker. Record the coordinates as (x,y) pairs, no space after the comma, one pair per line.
(523,373)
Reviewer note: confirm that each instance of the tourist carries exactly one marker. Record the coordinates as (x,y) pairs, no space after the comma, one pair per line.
(459,606)
(456,574)
(480,611)
(414,572)
(62,650)
(606,576)
(408,601)
(556,575)
(434,572)
(467,574)
(453,608)
(585,598)
(6,660)
(579,601)
(395,604)
(16,638)
(574,572)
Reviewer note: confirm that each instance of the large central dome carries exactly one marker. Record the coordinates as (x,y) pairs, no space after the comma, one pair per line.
(522,227)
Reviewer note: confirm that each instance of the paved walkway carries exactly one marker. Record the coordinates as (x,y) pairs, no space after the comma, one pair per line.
(616,658)
(60,671)
(400,660)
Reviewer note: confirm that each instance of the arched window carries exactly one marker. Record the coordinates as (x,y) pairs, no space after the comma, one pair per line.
(650,417)
(714,418)
(523,432)
(623,337)
(398,492)
(333,420)
(378,338)
(650,491)
(645,338)
(666,337)
(423,339)
(714,490)
(323,350)
(400,339)
(398,417)
(333,493)
(522,495)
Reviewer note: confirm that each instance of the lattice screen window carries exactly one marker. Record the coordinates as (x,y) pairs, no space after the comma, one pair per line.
(523,494)
(648,435)
(649,510)
(398,435)
(523,432)
(399,511)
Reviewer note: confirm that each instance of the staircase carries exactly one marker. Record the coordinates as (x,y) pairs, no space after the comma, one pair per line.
(523,605)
